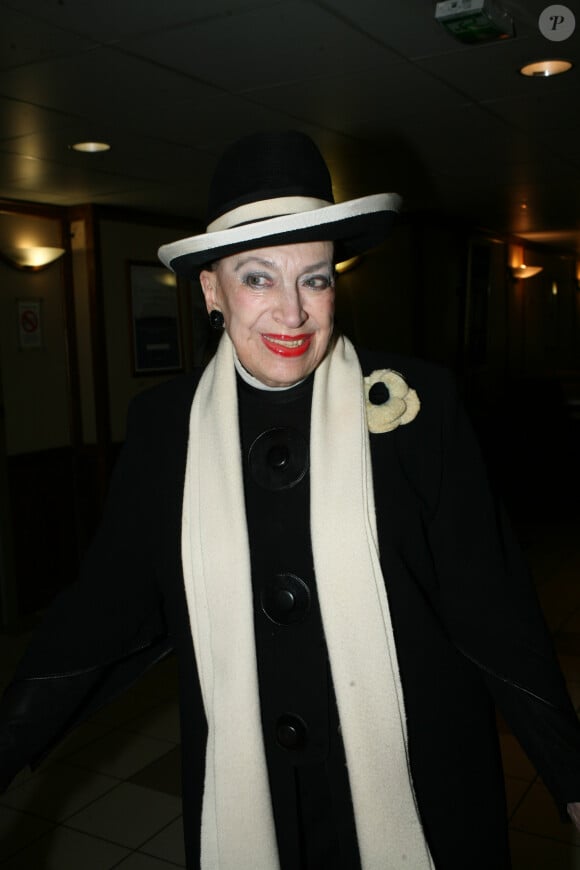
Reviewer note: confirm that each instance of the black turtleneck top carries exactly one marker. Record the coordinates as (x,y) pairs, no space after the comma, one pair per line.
(304,752)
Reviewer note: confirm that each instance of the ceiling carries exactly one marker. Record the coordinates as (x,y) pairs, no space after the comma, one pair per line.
(394,102)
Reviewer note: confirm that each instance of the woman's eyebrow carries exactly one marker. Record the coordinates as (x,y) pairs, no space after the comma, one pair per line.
(323,264)
(270,264)
(245,260)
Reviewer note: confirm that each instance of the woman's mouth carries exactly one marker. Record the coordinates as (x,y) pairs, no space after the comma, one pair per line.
(287,345)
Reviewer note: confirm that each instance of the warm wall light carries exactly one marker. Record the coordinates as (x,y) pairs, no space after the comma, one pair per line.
(524,271)
(31,259)
(517,263)
(546,68)
(347,265)
(91,147)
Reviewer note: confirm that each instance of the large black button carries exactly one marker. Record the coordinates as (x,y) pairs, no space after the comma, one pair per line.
(285,599)
(278,458)
(291,731)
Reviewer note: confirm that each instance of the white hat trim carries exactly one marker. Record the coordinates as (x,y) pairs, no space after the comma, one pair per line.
(287,223)
(266,208)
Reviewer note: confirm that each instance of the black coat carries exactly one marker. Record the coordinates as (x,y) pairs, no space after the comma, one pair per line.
(466,621)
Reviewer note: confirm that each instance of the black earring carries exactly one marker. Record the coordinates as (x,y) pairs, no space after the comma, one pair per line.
(216,319)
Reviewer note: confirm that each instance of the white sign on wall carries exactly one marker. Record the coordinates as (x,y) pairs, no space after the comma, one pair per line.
(29,323)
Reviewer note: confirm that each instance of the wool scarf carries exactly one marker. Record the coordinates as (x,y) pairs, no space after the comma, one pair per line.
(237,827)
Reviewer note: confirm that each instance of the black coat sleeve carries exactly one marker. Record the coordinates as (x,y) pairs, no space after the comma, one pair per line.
(101,632)
(489,606)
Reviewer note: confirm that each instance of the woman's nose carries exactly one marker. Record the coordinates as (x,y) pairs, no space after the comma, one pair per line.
(289,309)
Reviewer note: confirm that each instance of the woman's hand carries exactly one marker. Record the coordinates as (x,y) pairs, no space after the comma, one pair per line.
(574,813)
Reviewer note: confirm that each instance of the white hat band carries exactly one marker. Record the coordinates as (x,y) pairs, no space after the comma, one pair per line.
(265,208)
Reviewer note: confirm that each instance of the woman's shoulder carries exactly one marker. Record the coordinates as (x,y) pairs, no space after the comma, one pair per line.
(175,393)
(162,411)
(419,374)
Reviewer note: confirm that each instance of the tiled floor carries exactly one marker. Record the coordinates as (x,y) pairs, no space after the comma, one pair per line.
(109,797)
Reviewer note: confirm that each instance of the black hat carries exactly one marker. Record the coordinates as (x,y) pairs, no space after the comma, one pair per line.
(275,189)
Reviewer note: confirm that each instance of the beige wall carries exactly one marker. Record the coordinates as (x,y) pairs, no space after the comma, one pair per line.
(35,384)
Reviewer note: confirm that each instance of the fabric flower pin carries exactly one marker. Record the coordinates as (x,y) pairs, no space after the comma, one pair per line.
(390,402)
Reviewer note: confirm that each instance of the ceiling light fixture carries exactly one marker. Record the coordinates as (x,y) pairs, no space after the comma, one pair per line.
(545,68)
(31,259)
(91,147)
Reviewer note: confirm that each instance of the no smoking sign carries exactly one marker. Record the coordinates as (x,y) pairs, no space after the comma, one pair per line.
(29,323)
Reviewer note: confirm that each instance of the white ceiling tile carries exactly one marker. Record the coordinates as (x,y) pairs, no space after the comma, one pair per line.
(100,85)
(110,23)
(366,103)
(288,42)
(411,31)
(26,40)
(18,118)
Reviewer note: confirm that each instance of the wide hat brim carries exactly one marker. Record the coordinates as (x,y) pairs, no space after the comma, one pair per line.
(355,226)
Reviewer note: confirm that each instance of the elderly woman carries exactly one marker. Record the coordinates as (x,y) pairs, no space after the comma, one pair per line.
(310,528)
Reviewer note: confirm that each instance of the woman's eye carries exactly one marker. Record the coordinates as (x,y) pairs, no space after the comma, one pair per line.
(256,280)
(319,282)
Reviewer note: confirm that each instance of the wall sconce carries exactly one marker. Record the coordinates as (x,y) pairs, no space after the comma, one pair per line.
(518,267)
(31,259)
(347,265)
(524,271)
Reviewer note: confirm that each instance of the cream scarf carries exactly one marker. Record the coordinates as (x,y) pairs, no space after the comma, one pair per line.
(237,831)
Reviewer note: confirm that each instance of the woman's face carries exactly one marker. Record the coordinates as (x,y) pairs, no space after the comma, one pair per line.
(278,307)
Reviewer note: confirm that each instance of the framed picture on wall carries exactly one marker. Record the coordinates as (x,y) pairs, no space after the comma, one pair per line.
(155,327)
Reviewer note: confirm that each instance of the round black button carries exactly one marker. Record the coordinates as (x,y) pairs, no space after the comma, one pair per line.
(290,732)
(379,393)
(278,458)
(285,599)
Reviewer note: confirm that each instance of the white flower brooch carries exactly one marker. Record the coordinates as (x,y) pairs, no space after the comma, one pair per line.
(390,402)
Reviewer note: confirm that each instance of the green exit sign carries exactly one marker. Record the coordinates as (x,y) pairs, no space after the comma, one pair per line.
(473,21)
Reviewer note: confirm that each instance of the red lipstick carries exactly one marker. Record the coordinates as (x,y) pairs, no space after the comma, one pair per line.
(287,345)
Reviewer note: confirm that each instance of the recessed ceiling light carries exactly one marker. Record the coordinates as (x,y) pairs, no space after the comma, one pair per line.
(546,68)
(91,147)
